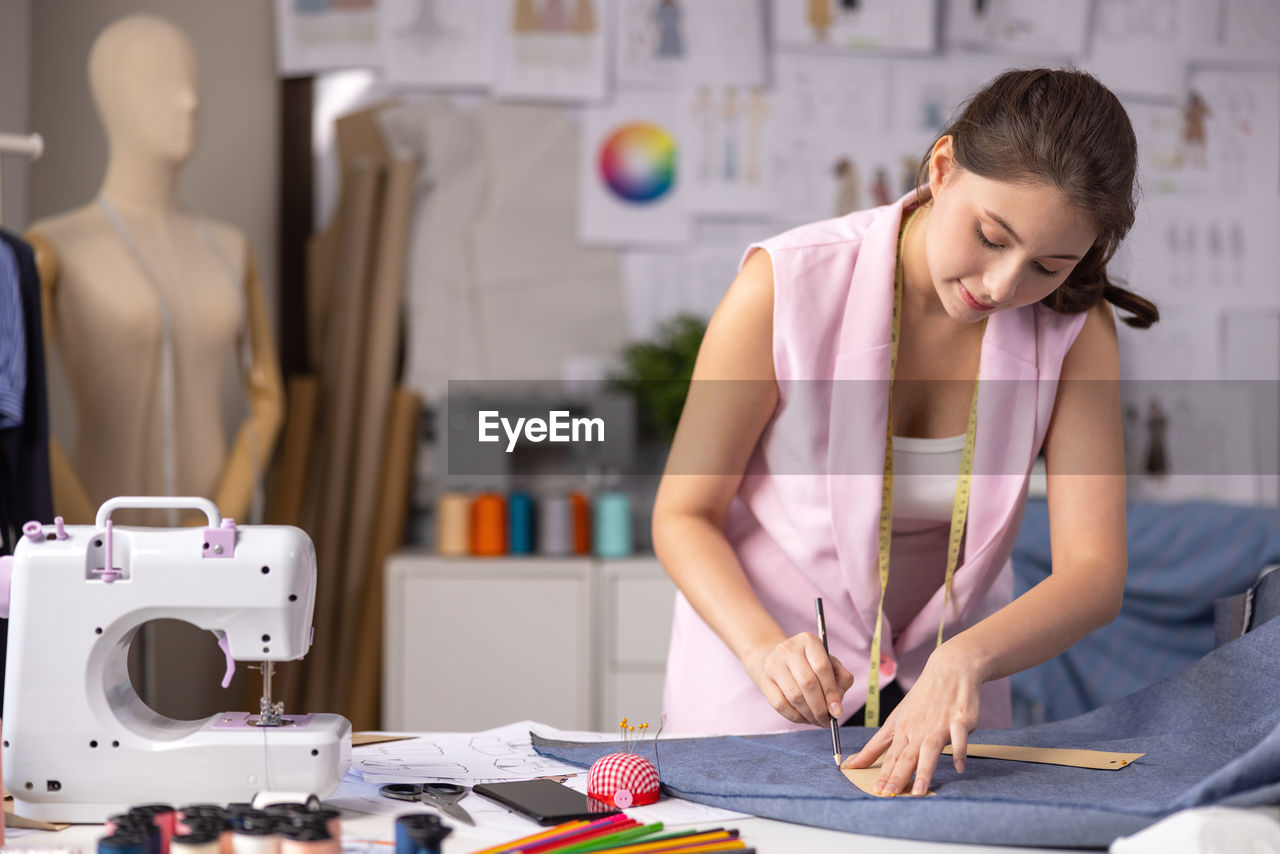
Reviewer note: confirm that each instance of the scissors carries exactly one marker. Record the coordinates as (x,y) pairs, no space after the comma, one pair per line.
(443,796)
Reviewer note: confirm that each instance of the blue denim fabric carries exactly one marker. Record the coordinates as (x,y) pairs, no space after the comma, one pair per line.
(1211,735)
(1181,558)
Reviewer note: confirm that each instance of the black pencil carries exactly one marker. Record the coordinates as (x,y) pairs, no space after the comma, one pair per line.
(835,724)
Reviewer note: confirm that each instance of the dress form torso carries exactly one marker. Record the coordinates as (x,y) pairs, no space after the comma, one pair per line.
(106,322)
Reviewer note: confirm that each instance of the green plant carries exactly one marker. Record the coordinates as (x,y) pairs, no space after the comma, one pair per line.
(657,373)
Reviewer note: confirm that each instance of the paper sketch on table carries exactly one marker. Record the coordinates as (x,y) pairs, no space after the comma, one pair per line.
(1218,138)
(1036,28)
(670,44)
(552,49)
(325,35)
(856,25)
(438,43)
(492,820)
(505,753)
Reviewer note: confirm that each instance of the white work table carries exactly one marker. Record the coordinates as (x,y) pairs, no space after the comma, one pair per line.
(765,835)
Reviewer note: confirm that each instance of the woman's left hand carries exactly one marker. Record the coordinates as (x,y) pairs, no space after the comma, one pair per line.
(941,708)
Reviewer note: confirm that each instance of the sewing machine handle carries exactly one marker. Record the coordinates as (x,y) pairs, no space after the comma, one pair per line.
(159,502)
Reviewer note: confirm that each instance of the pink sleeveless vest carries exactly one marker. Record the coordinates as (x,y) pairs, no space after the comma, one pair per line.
(805,520)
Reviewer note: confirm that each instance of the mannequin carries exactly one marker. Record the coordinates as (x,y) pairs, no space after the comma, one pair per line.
(148,387)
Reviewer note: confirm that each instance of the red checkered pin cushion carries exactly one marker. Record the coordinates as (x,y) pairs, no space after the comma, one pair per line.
(624,780)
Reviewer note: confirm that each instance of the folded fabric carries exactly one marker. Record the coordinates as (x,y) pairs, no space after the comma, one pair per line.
(1211,735)
(1181,558)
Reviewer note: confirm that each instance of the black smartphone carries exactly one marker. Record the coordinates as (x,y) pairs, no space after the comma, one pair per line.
(545,801)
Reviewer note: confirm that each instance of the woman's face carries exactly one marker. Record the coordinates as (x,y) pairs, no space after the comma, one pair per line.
(992,245)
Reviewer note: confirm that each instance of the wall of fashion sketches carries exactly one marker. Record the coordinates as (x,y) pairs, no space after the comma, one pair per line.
(771,113)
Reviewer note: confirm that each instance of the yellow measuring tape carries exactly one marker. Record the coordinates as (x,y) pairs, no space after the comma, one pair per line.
(959,509)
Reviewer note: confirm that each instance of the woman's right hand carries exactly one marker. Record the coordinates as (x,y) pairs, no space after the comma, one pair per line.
(799,680)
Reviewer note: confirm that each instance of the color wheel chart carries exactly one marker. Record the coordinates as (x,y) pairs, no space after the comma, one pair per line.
(638,162)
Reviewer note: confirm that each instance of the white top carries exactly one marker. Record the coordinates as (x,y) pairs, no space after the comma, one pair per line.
(925,475)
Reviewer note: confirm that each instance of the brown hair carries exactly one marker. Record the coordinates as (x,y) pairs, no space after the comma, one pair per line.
(1065,129)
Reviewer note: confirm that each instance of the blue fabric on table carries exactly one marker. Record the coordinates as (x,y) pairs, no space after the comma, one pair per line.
(1211,735)
(1181,558)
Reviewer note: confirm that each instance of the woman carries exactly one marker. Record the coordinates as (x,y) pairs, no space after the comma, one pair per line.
(775,491)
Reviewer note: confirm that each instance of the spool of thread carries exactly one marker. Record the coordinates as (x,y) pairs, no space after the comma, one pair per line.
(309,839)
(220,829)
(255,838)
(190,812)
(429,839)
(611,528)
(126,823)
(411,828)
(581,513)
(489,525)
(200,840)
(520,523)
(555,525)
(453,525)
(287,815)
(330,817)
(123,842)
(164,816)
(240,816)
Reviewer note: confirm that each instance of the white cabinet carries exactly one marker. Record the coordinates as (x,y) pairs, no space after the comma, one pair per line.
(474,643)
(636,599)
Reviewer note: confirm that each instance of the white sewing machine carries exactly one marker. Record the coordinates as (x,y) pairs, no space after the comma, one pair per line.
(79,743)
